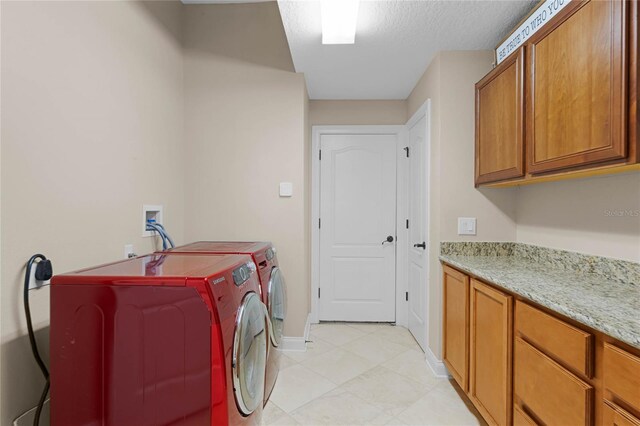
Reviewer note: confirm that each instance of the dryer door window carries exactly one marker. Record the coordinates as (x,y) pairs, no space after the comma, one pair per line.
(249,354)
(276,305)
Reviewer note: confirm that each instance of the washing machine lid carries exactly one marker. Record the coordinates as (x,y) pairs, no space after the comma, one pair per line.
(249,354)
(276,305)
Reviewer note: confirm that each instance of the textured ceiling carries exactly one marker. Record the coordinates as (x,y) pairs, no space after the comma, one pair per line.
(395,42)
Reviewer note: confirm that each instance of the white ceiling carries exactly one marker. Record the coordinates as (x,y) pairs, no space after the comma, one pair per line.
(395,41)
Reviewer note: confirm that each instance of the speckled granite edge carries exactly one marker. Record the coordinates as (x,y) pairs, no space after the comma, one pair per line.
(621,271)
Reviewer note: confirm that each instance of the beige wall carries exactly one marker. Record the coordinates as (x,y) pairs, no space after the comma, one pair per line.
(449,83)
(245,132)
(91,129)
(338,112)
(599,216)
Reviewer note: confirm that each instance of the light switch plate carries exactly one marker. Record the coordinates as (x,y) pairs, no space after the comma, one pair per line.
(286,189)
(466,226)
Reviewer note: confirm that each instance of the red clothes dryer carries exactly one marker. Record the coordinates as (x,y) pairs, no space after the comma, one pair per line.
(159,340)
(273,291)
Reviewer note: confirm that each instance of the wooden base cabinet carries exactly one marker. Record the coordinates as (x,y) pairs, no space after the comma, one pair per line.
(523,364)
(490,353)
(477,332)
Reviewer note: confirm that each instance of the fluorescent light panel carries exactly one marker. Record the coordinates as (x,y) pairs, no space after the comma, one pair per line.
(339,20)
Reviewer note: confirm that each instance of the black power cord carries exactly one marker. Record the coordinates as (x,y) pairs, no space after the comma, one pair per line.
(44,271)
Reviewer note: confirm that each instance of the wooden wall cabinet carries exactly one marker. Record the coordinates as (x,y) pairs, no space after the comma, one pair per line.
(580,99)
(490,353)
(456,325)
(499,122)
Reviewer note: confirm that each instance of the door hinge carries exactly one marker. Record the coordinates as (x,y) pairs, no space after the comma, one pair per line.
(320,155)
(406,148)
(407,223)
(319,223)
(318,292)
(406,296)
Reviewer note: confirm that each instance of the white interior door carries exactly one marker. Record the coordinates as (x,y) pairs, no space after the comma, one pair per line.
(418,246)
(357,216)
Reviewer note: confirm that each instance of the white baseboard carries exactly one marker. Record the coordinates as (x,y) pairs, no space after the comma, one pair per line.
(307,327)
(436,366)
(297,344)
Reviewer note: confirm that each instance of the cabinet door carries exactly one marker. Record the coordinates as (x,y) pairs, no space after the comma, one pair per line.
(490,353)
(456,325)
(499,127)
(576,91)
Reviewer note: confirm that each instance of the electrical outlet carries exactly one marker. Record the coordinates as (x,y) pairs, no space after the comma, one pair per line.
(153,212)
(466,226)
(128,251)
(33,283)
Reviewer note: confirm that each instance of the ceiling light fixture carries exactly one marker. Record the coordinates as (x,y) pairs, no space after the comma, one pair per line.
(339,19)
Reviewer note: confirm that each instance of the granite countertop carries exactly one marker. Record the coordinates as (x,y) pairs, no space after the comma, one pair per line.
(598,301)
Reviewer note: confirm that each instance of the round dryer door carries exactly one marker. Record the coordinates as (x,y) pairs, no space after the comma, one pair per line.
(249,354)
(276,305)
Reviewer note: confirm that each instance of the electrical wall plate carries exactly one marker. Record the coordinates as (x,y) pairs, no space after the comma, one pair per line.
(466,226)
(286,189)
(151,211)
(128,251)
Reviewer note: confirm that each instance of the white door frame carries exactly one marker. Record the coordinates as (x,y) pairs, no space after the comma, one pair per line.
(401,259)
(423,112)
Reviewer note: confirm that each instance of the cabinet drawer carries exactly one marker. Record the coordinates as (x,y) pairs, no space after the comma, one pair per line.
(622,374)
(553,394)
(568,344)
(612,415)
(520,418)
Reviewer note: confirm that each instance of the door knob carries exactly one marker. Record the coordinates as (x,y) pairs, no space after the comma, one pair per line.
(388,240)
(423,245)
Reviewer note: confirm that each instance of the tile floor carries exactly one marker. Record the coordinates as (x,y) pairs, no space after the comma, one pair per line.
(363,374)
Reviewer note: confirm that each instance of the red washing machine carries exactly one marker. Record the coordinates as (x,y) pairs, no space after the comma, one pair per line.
(159,340)
(273,291)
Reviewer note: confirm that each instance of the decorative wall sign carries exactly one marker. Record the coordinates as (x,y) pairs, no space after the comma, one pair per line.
(529,26)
